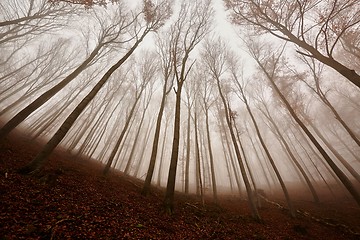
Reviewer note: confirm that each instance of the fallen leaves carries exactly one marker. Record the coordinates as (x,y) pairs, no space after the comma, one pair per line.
(82,204)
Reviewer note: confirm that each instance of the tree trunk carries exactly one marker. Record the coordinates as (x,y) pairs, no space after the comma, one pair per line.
(319,157)
(41,158)
(212,167)
(351,75)
(23,114)
(346,146)
(170,187)
(252,203)
(343,178)
(122,134)
(246,161)
(199,186)
(335,152)
(230,150)
(130,159)
(145,141)
(258,157)
(162,155)
(188,144)
(272,162)
(292,157)
(150,172)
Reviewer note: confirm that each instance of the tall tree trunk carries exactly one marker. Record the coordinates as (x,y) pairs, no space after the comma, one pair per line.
(41,158)
(43,98)
(158,183)
(100,136)
(145,141)
(124,147)
(291,155)
(43,122)
(341,121)
(246,161)
(343,178)
(230,151)
(318,156)
(227,166)
(346,146)
(258,157)
(318,91)
(122,134)
(212,167)
(335,152)
(188,144)
(315,166)
(154,150)
(200,185)
(130,159)
(252,203)
(170,187)
(272,162)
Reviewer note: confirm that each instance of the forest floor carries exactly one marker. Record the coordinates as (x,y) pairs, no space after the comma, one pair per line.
(70,199)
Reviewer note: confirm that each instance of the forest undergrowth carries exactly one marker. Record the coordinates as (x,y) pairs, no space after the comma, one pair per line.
(71,199)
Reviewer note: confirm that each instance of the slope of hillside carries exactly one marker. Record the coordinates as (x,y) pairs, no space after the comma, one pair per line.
(70,199)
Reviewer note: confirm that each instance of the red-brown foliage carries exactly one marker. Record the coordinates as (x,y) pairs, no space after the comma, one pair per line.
(70,199)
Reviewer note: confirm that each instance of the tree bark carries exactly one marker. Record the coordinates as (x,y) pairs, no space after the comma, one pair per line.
(252,203)
(122,134)
(212,167)
(41,158)
(43,98)
(150,172)
(343,178)
(272,162)
(170,187)
(292,157)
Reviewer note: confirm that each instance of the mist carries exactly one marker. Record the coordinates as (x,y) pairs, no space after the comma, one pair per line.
(201,98)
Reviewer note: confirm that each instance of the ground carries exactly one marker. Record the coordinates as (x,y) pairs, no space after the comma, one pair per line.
(70,199)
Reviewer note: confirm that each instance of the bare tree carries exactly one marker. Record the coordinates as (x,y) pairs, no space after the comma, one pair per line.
(208,98)
(240,92)
(154,18)
(352,171)
(290,21)
(189,103)
(86,3)
(146,103)
(16,13)
(228,148)
(165,54)
(146,72)
(316,72)
(199,179)
(214,56)
(266,112)
(163,149)
(147,134)
(111,33)
(48,62)
(27,19)
(98,114)
(42,124)
(268,62)
(190,26)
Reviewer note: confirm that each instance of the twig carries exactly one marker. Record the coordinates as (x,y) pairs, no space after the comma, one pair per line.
(323,221)
(193,206)
(56,224)
(319,220)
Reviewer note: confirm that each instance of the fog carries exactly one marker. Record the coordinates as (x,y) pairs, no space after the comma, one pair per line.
(252,107)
